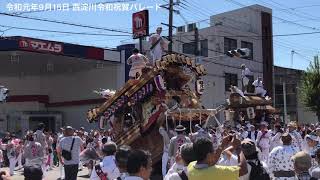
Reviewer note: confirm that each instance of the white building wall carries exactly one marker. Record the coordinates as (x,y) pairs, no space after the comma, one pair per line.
(61,88)
(248,30)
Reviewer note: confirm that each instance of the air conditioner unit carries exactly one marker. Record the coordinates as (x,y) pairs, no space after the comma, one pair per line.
(191,27)
(181,29)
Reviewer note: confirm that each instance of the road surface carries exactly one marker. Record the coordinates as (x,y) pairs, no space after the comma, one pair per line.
(51,175)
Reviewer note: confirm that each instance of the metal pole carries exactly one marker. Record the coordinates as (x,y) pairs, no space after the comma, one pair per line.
(284,101)
(170,25)
(292,53)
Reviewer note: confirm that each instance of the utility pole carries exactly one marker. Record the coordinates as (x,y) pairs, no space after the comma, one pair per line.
(292,53)
(284,101)
(170,25)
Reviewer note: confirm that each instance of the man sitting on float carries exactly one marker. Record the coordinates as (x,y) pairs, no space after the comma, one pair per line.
(259,90)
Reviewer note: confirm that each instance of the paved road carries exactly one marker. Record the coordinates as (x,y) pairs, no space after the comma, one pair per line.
(51,175)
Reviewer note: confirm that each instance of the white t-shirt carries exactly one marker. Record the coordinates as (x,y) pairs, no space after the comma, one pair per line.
(257,83)
(137,61)
(246,72)
(108,166)
(65,143)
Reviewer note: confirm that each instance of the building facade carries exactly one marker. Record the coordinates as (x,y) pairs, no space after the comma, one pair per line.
(248,27)
(53,82)
(287,81)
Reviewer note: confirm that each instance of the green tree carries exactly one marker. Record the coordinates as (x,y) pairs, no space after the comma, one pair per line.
(310,87)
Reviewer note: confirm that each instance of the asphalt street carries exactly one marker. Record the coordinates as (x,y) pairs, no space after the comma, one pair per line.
(50,175)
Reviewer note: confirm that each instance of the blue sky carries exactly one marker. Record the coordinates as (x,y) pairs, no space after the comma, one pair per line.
(304,16)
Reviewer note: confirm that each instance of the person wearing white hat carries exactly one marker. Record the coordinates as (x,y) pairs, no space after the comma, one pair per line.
(311,146)
(201,133)
(297,140)
(264,140)
(176,142)
(252,133)
(311,142)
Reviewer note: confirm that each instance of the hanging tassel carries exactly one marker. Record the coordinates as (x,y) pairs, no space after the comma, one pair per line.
(200,118)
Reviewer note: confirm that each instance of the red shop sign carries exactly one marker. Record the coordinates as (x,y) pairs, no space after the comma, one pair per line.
(40,46)
(140,24)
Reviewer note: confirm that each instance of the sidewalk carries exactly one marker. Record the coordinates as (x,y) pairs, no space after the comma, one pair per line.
(50,175)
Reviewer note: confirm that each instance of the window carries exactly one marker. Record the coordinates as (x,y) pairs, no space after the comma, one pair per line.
(230,79)
(188,48)
(291,88)
(291,99)
(248,45)
(204,48)
(229,44)
(279,100)
(278,89)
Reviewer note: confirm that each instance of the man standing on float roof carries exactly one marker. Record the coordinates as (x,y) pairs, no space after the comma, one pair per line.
(157,45)
(245,73)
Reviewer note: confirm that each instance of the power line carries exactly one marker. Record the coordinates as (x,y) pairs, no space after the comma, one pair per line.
(301,14)
(288,11)
(275,35)
(284,20)
(307,6)
(65,23)
(295,51)
(62,32)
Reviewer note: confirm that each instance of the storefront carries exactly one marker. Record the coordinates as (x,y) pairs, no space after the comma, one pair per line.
(53,82)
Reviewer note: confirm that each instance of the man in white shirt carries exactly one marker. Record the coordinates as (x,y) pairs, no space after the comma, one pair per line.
(138,62)
(263,141)
(108,165)
(258,84)
(34,155)
(40,137)
(176,142)
(245,72)
(74,145)
(157,45)
(252,134)
(276,136)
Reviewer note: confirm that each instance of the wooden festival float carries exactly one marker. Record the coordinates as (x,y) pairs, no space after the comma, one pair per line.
(250,107)
(163,95)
